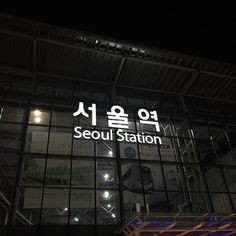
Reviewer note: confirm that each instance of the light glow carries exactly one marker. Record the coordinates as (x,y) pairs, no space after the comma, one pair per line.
(37,119)
(37,113)
(106,194)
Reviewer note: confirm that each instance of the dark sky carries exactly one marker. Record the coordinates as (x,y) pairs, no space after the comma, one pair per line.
(200,33)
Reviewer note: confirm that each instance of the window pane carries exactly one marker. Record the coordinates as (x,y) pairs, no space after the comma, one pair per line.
(133,203)
(33,170)
(105,148)
(107,207)
(28,208)
(13,113)
(6,195)
(82,173)
(83,147)
(128,150)
(181,129)
(156,202)
(194,178)
(39,116)
(60,141)
(131,177)
(200,203)
(221,203)
(206,152)
(37,139)
(58,171)
(107,176)
(152,177)
(62,116)
(173,177)
(200,130)
(167,149)
(8,169)
(149,152)
(82,206)
(214,179)
(178,202)
(10,137)
(230,177)
(55,206)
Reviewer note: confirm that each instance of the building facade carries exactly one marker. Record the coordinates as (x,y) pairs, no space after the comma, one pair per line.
(52,180)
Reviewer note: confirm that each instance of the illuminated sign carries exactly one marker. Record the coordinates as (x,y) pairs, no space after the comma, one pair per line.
(118,119)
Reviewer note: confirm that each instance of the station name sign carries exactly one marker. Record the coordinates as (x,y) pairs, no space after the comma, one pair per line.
(117,121)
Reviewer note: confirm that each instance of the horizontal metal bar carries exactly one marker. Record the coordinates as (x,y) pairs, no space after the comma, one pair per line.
(15,71)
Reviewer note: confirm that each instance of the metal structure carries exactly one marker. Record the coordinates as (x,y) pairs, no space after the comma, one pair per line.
(147,224)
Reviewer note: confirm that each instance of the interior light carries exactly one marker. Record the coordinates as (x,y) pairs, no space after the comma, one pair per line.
(110,152)
(37,119)
(37,112)
(113,215)
(106,176)
(65,209)
(106,194)
(76,219)
(109,205)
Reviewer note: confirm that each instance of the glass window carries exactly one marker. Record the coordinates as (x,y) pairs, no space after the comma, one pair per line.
(217,132)
(187,150)
(214,179)
(194,178)
(200,130)
(233,197)
(82,205)
(105,148)
(133,203)
(131,177)
(58,171)
(128,150)
(8,169)
(83,147)
(152,177)
(179,202)
(60,141)
(82,173)
(168,149)
(39,116)
(108,207)
(156,202)
(221,203)
(10,137)
(6,195)
(174,177)
(13,113)
(200,202)
(181,129)
(37,139)
(55,206)
(107,176)
(33,171)
(223,151)
(62,116)
(28,208)
(230,177)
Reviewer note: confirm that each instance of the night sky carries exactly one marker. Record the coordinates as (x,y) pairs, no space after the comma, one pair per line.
(202,34)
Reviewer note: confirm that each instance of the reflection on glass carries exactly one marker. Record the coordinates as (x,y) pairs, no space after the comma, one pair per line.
(173,177)
(214,179)
(37,139)
(58,171)
(230,177)
(82,207)
(179,202)
(83,147)
(187,150)
(55,205)
(206,151)
(28,208)
(33,170)
(10,137)
(8,169)
(200,130)
(221,203)
(105,148)
(128,150)
(107,207)
(82,173)
(133,203)
(62,117)
(194,178)
(60,141)
(156,202)
(39,116)
(107,176)
(13,114)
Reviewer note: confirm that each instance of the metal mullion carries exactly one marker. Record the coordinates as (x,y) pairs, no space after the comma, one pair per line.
(95,185)
(71,162)
(46,160)
(140,166)
(222,173)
